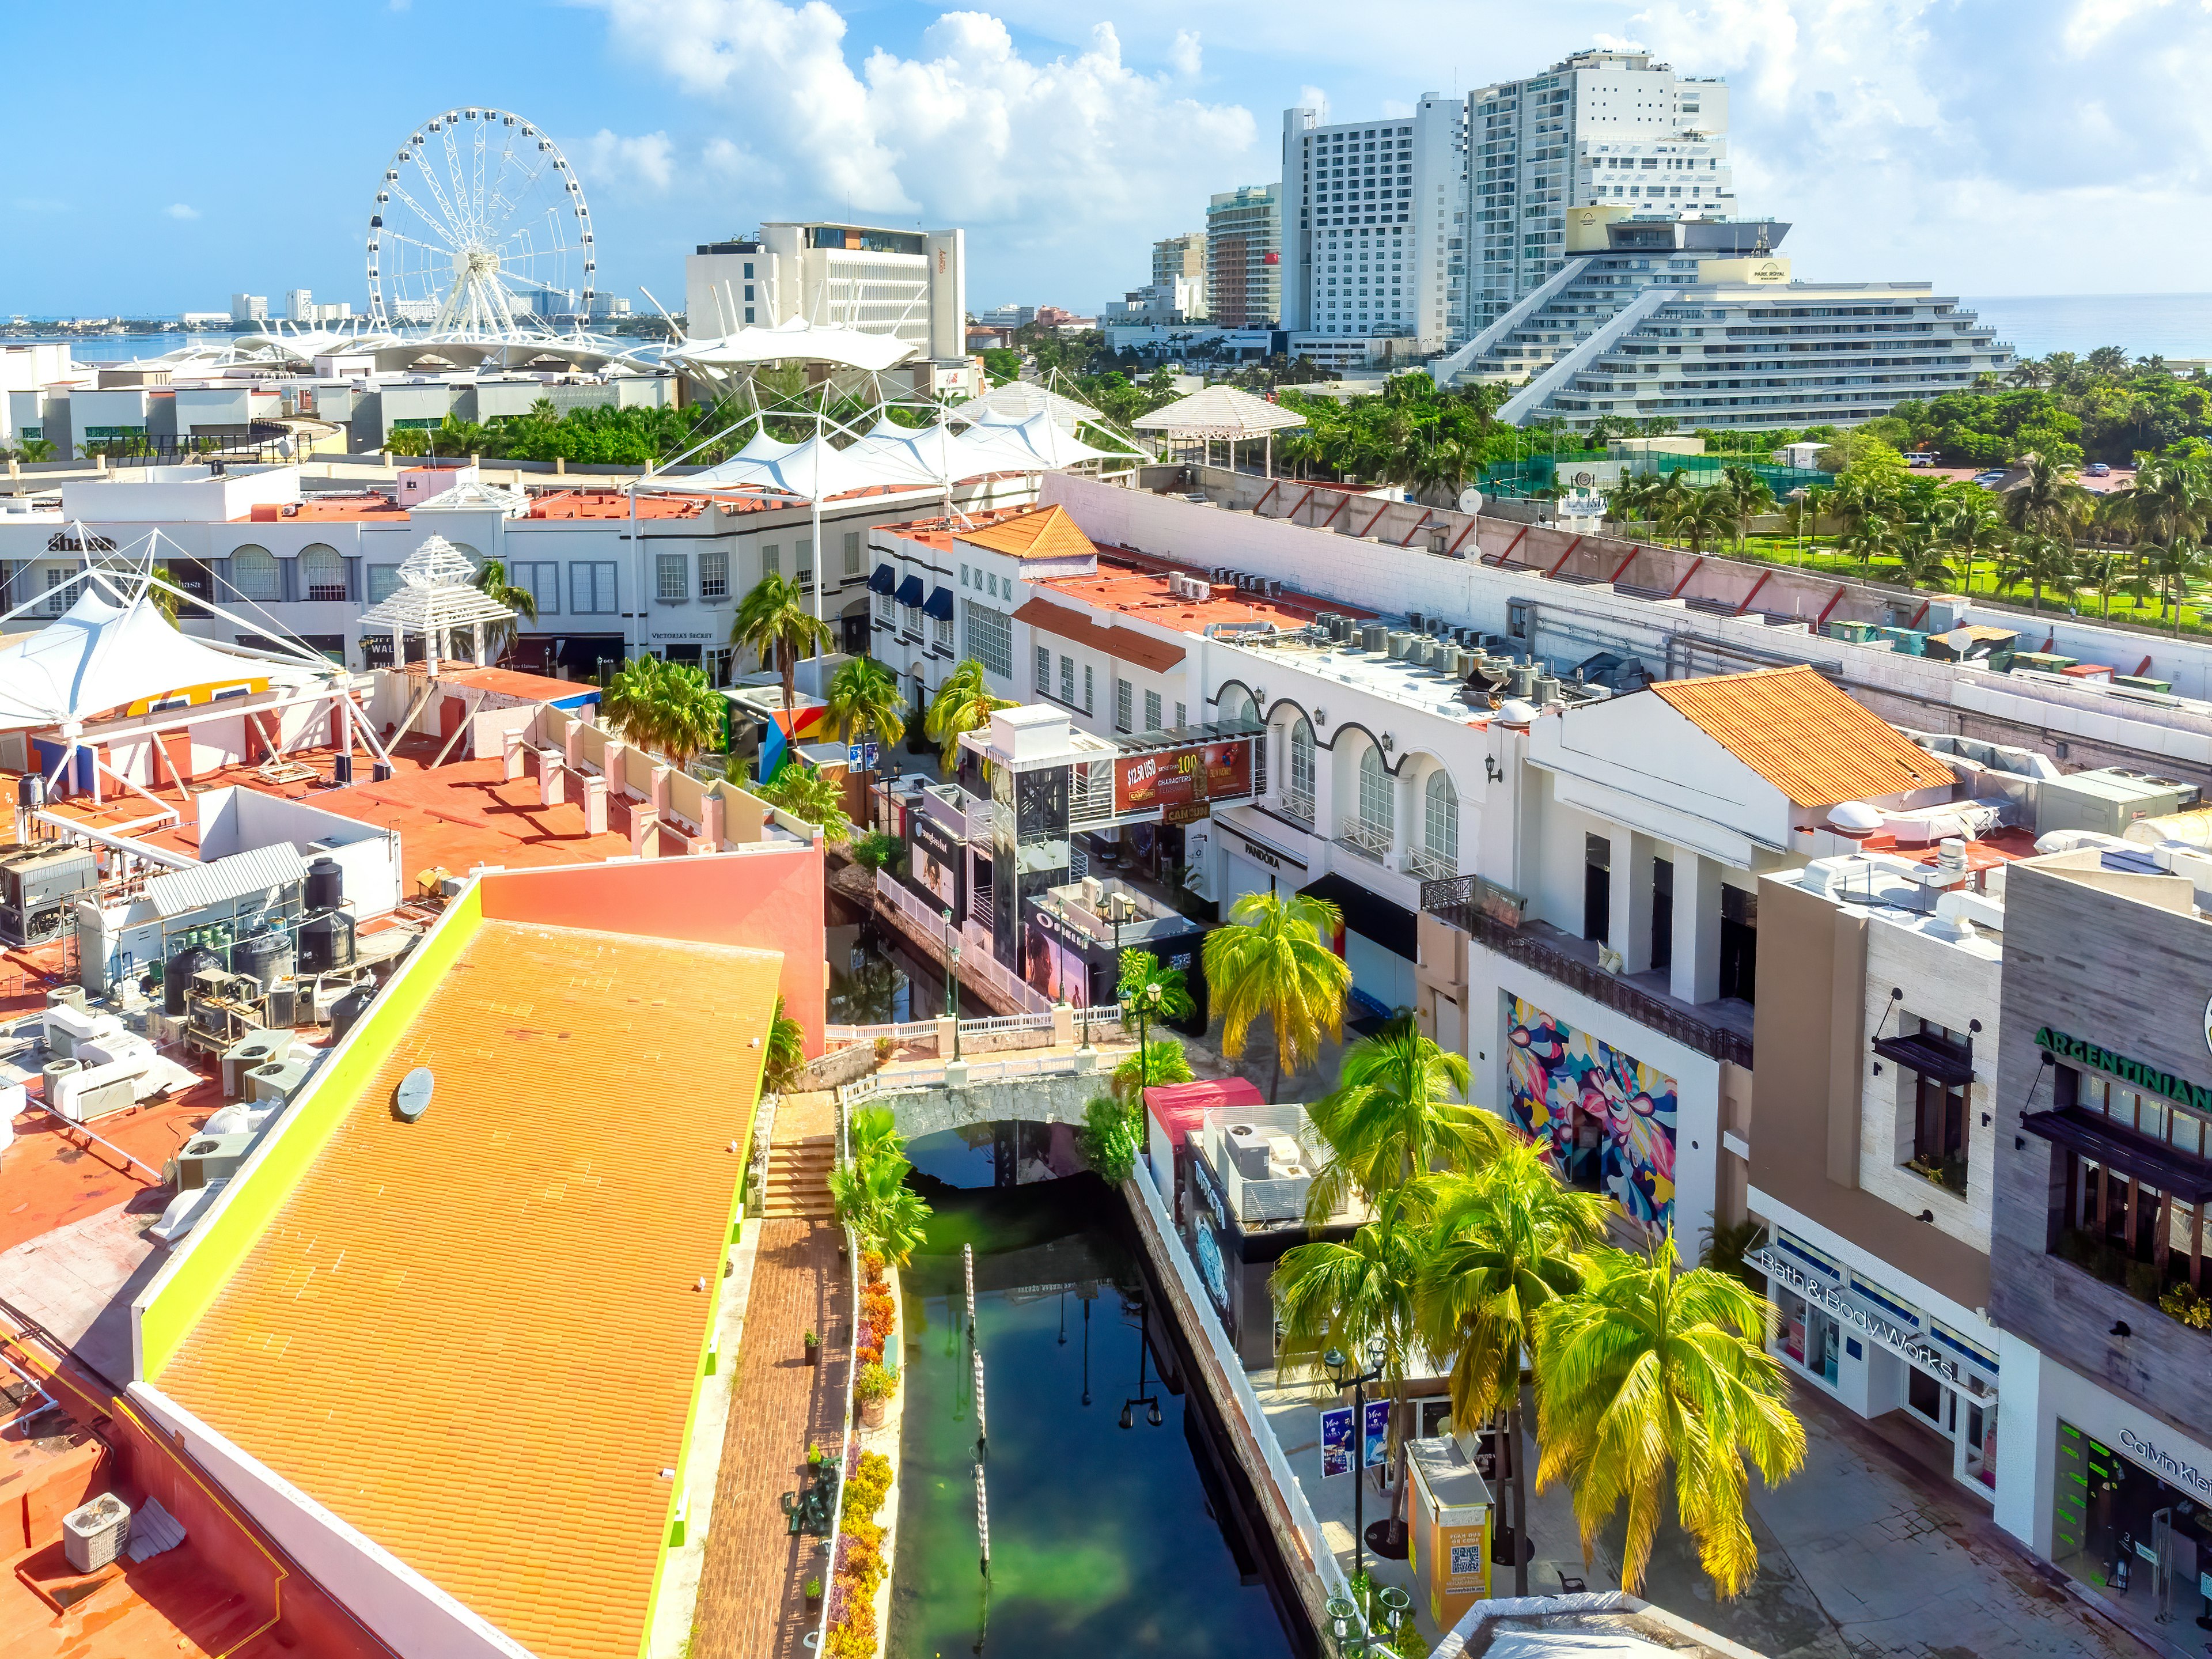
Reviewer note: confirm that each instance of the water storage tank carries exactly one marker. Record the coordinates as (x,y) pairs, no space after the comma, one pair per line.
(325,942)
(265,956)
(347,1009)
(325,884)
(177,975)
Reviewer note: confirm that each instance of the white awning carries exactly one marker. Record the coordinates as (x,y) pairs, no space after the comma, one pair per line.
(100,655)
(1219,412)
(1037,445)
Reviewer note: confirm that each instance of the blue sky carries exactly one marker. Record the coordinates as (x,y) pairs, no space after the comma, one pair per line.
(159,160)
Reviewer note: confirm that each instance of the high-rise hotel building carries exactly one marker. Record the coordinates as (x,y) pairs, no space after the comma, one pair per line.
(1596,128)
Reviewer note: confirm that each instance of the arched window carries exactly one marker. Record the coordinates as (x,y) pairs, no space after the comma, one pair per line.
(253,573)
(1440,824)
(1235,707)
(475,558)
(1377,810)
(1300,798)
(322,573)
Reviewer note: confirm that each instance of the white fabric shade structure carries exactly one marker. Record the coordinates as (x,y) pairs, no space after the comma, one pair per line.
(436,594)
(1017,400)
(795,341)
(889,457)
(101,655)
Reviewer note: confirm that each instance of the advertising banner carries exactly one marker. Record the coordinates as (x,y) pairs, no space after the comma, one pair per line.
(1377,1437)
(1183,777)
(1336,1441)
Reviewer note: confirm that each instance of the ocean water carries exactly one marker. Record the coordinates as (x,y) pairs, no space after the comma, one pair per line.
(2141,324)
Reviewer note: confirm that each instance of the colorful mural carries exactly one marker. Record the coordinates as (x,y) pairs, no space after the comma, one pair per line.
(1605,1118)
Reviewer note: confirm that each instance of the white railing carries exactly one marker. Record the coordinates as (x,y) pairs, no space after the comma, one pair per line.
(1007,1023)
(1299,804)
(1369,841)
(1099,1014)
(1240,1388)
(1430,867)
(852,1376)
(930,1075)
(844,1037)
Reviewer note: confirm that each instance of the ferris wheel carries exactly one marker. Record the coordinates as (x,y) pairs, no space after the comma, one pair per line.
(480,229)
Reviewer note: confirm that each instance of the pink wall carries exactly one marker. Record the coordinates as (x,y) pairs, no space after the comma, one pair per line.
(767,900)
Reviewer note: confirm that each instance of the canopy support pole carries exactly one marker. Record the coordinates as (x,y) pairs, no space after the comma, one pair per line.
(99,766)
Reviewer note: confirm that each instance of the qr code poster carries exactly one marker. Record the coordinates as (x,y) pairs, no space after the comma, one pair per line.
(1462,1550)
(1465,1560)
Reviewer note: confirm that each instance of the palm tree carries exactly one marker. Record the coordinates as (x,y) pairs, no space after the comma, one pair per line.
(1707,516)
(2048,500)
(2040,560)
(1920,562)
(492,583)
(1748,497)
(805,793)
(873,1200)
(1871,538)
(1393,1116)
(665,707)
(1973,533)
(1358,1296)
(864,696)
(1503,1250)
(1159,1062)
(963,703)
(2174,566)
(1150,992)
(164,596)
(1647,1369)
(773,620)
(785,1057)
(2168,498)
(35,449)
(1274,959)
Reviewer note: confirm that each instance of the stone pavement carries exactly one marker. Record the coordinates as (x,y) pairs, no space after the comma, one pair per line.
(1864,1553)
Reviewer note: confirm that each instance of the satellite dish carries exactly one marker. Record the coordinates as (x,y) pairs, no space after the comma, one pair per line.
(1470,501)
(414,1096)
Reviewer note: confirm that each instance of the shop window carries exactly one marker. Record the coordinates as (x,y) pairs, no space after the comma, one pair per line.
(1939,1119)
(1810,1337)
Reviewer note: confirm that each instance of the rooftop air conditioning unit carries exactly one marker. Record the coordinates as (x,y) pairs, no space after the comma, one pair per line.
(94,1535)
(208,1159)
(1248,1151)
(1094,892)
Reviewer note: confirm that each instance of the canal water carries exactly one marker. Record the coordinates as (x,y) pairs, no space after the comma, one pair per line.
(1104,1540)
(877,979)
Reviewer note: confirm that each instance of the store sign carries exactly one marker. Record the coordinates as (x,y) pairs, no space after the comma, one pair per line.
(2147,1453)
(2196,1095)
(1180,777)
(1907,1345)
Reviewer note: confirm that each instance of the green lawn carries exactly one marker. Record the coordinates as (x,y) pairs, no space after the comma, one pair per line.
(2152,612)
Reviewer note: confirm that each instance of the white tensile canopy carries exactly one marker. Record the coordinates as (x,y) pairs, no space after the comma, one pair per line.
(1017,400)
(795,341)
(889,457)
(100,655)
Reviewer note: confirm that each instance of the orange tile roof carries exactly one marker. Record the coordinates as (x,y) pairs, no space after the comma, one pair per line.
(1122,644)
(1140,592)
(1049,534)
(476,1337)
(327,509)
(1804,735)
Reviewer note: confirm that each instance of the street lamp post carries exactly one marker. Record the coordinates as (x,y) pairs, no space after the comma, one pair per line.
(952,980)
(1337,1366)
(1144,1396)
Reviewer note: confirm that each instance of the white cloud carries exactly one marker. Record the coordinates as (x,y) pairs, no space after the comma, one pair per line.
(181,210)
(1076,148)
(1992,146)
(640,161)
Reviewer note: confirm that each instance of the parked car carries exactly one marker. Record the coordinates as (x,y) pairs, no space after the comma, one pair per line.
(1990,480)
(1920,458)
(2097,470)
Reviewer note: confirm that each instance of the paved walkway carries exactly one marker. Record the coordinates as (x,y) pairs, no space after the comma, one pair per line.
(751,1602)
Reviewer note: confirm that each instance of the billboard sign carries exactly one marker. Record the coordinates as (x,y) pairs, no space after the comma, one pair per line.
(1183,777)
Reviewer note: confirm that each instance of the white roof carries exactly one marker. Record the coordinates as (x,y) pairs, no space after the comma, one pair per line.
(474,495)
(101,655)
(1037,445)
(1219,412)
(795,341)
(890,457)
(224,880)
(1017,400)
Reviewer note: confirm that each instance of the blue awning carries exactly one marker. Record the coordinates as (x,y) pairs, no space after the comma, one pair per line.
(909,592)
(940,603)
(882,580)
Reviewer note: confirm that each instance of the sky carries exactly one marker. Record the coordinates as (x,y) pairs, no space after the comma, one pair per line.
(158,164)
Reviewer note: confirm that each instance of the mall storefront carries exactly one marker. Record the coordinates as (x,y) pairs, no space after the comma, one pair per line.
(1877,1347)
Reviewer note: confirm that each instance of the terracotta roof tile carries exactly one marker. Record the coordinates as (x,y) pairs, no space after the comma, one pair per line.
(476,1337)
(1804,735)
(1049,534)
(1122,644)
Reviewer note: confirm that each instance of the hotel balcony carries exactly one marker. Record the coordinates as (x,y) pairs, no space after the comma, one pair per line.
(1492,916)
(1369,841)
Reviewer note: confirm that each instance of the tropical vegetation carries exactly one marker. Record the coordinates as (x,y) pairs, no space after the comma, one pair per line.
(492,583)
(666,707)
(774,623)
(870,1191)
(962,703)
(1274,962)
(806,795)
(865,702)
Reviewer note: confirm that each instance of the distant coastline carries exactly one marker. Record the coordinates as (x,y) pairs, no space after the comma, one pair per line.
(2141,324)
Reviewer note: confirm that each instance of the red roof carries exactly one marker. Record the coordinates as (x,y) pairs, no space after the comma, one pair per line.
(1179,1108)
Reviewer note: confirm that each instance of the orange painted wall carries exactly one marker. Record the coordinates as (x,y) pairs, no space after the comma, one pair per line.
(764,901)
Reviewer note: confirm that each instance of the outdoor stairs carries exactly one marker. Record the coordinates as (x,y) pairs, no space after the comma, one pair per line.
(797,1184)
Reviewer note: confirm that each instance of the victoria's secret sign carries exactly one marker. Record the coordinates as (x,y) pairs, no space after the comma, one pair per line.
(1180,777)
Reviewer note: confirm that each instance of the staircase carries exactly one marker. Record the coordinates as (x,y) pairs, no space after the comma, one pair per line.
(797,1184)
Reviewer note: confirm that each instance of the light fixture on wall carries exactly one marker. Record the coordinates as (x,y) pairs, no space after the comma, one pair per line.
(1492,769)
(1321,717)
(1389,743)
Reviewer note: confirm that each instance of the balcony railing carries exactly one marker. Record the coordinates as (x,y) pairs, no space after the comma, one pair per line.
(1369,841)
(1484,917)
(1430,865)
(1299,804)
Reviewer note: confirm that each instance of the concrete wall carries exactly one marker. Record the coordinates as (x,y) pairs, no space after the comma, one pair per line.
(237,820)
(2134,979)
(1811,1036)
(1567,621)
(1024,1100)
